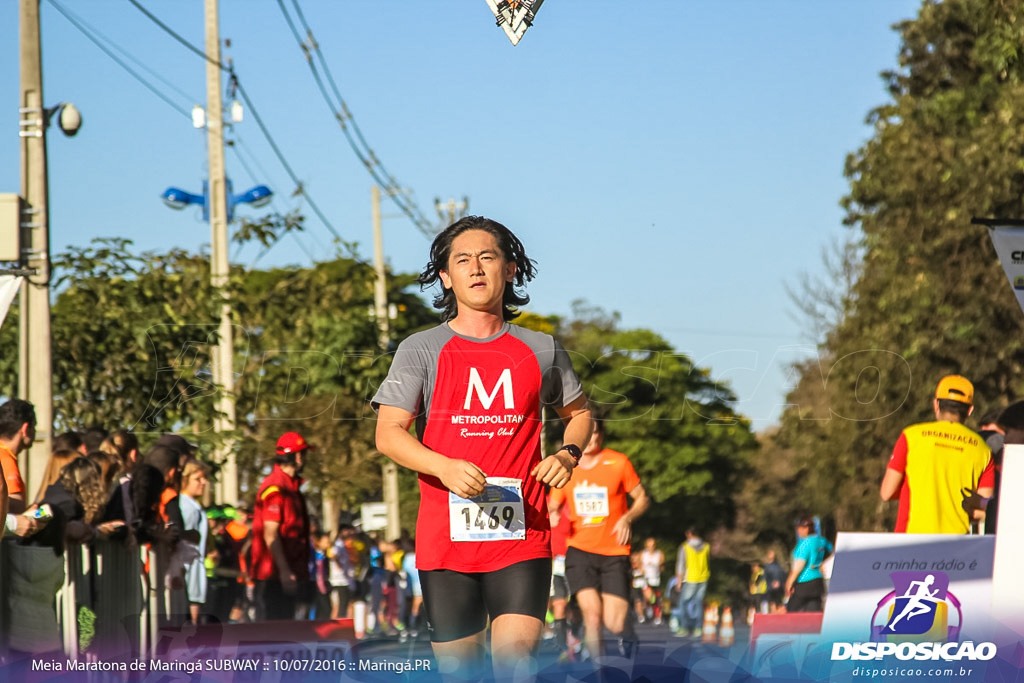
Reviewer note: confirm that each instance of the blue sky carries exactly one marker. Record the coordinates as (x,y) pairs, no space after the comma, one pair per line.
(679,162)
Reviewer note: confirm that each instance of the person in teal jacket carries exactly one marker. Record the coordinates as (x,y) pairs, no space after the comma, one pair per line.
(806,585)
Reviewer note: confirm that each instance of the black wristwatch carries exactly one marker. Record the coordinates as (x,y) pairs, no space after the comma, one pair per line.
(573,450)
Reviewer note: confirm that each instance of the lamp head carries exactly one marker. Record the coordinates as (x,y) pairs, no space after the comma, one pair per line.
(179,199)
(70,119)
(256,196)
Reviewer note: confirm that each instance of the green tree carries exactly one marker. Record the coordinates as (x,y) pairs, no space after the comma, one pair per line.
(675,423)
(929,296)
(132,336)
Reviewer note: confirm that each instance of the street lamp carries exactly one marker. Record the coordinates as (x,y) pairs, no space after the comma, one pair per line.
(176,198)
(223,372)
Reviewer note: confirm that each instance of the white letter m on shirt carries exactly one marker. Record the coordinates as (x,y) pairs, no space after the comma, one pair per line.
(477,385)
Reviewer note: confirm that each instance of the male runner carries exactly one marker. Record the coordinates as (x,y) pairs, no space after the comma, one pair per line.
(652,561)
(597,562)
(474,387)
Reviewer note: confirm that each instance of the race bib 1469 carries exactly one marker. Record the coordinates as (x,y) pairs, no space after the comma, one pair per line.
(497,514)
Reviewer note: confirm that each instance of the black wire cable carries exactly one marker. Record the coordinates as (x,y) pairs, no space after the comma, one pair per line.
(171,32)
(255,114)
(284,162)
(391,183)
(393,191)
(274,202)
(341,113)
(88,32)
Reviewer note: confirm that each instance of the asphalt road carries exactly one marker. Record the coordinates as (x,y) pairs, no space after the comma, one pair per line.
(661,656)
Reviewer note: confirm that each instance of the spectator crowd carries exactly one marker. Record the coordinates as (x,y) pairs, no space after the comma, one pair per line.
(139,525)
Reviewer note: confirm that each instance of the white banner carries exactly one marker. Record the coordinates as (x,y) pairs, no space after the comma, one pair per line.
(9,286)
(872,571)
(1009,244)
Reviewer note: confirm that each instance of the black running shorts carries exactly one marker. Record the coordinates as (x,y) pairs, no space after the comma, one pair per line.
(458,604)
(607,574)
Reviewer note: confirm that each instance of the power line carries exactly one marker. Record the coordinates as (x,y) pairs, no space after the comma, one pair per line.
(91,33)
(284,162)
(341,113)
(237,145)
(274,202)
(173,34)
(253,110)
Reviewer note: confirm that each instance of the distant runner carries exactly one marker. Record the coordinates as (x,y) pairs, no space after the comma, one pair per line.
(597,562)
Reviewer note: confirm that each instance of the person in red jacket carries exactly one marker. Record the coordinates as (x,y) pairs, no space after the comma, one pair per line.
(280,542)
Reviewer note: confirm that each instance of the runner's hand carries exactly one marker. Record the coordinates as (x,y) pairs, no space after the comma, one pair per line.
(623,531)
(463,478)
(289,584)
(554,470)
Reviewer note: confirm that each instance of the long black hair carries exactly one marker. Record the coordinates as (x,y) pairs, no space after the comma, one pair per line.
(511,248)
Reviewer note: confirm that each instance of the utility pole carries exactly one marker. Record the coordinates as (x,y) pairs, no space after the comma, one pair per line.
(451,210)
(223,353)
(35,371)
(380,309)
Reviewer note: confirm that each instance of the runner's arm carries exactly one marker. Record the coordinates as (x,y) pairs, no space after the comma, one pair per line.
(555,510)
(394,440)
(556,469)
(623,527)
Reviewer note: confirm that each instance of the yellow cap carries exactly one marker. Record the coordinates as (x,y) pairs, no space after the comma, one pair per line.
(955,388)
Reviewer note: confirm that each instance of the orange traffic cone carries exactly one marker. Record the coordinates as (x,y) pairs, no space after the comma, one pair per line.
(727,635)
(710,634)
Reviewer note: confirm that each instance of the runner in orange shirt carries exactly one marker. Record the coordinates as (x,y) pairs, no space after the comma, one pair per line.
(597,561)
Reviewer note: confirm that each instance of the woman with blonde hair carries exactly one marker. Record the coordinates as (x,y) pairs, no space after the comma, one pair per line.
(193,541)
(58,459)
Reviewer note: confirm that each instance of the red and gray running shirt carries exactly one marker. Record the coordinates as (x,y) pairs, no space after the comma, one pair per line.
(479,400)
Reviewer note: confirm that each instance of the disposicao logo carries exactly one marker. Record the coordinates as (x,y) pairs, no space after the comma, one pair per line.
(920,619)
(920,605)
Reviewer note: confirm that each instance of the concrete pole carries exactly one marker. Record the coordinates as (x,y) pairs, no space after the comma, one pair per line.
(380,307)
(329,516)
(35,372)
(451,210)
(223,353)
(380,287)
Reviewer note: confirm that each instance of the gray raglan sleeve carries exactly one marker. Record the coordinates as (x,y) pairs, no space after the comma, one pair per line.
(561,385)
(403,387)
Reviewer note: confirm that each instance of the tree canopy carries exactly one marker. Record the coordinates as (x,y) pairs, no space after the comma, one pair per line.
(928,297)
(673,421)
(132,334)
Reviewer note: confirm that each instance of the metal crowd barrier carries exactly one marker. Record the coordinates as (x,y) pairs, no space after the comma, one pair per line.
(107,596)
